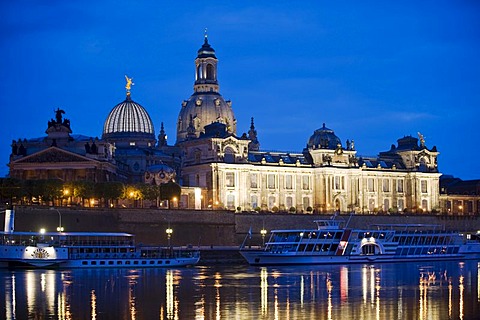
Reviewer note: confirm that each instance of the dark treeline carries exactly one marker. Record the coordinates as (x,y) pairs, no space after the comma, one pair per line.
(82,193)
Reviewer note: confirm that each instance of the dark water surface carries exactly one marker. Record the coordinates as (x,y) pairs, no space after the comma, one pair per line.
(443,290)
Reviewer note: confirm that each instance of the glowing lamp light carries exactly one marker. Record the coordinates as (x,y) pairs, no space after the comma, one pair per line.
(42,230)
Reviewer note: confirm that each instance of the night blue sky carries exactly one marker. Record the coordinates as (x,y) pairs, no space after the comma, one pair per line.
(373,72)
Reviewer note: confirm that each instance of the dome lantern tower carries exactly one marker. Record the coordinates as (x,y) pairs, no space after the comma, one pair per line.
(206,69)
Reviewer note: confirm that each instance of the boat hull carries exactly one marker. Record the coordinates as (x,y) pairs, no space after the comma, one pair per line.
(101,263)
(262,258)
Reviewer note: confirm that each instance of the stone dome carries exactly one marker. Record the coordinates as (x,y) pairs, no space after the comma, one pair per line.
(202,109)
(323,138)
(128,119)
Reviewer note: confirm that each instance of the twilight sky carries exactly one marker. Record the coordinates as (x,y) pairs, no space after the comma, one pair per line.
(373,72)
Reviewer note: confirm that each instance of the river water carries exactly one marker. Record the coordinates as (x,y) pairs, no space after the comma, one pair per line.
(440,290)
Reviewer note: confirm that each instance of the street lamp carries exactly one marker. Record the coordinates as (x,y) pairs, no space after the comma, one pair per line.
(263,232)
(59,228)
(169,234)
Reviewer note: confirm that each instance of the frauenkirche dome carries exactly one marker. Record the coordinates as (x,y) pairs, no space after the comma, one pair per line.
(206,105)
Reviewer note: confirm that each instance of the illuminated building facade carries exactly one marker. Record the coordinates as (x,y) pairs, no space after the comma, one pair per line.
(219,169)
(327,175)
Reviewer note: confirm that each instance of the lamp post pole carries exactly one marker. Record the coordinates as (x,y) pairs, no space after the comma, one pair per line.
(59,228)
(263,232)
(169,234)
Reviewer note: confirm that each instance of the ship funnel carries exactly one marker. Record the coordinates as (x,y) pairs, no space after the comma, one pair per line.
(9,220)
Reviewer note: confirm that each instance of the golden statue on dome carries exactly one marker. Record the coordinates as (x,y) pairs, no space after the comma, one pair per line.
(129,84)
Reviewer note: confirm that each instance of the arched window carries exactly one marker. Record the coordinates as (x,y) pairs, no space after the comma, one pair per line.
(199,72)
(210,72)
(229,156)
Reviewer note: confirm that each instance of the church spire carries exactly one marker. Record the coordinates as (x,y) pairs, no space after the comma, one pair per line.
(162,137)
(253,145)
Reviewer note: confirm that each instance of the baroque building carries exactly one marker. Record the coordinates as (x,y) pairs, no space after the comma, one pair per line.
(218,168)
(325,176)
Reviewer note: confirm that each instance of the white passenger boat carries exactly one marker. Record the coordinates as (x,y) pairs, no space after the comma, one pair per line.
(331,243)
(85,250)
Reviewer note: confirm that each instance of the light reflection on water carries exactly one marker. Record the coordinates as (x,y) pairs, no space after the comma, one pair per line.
(447,290)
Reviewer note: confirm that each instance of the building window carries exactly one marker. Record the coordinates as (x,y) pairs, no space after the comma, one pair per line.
(271,202)
(386,205)
(306,203)
(288,202)
(339,183)
(386,185)
(370,185)
(230,201)
(198,156)
(306,183)
(253,180)
(400,185)
(254,201)
(423,185)
(271,181)
(288,182)
(425,204)
(230,179)
(400,205)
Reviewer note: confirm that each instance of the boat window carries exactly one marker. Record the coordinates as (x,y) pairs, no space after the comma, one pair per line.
(368,249)
(381,235)
(119,262)
(334,247)
(93,263)
(309,248)
(338,235)
(326,247)
(159,262)
(110,262)
(301,248)
(408,240)
(102,262)
(375,235)
(84,262)
(152,262)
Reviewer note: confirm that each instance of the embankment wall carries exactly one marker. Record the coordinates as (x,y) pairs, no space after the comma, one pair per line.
(206,228)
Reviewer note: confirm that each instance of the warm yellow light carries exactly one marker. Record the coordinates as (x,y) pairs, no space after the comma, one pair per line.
(263,232)
(42,231)
(174,199)
(92,202)
(131,193)
(169,231)
(66,192)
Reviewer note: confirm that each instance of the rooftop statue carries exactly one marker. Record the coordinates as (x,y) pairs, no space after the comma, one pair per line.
(129,84)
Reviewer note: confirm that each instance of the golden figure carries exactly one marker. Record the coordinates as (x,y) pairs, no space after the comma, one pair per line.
(129,84)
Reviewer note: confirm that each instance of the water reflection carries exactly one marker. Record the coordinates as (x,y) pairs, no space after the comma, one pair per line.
(389,291)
